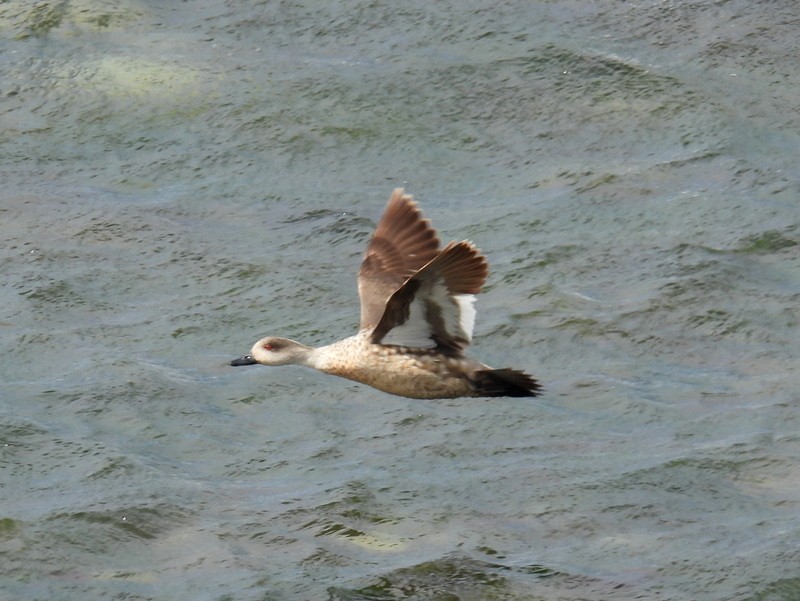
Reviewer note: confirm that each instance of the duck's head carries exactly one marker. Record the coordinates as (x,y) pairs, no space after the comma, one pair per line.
(275,351)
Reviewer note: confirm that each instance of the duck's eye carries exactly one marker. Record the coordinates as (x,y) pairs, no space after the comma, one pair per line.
(267,347)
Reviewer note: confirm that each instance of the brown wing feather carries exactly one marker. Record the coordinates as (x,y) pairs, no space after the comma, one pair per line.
(461,265)
(463,270)
(403,242)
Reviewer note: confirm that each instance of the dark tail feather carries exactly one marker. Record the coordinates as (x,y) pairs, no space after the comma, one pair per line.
(506,382)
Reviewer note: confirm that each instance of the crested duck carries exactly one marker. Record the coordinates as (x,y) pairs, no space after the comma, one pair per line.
(417,316)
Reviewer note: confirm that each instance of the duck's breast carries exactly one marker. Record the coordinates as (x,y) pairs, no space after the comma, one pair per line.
(414,373)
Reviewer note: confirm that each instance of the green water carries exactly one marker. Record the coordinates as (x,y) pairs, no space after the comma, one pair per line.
(179,179)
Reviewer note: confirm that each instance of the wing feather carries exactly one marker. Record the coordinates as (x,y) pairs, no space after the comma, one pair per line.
(434,308)
(403,242)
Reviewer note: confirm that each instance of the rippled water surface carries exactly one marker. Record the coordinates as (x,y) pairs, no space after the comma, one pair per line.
(178,179)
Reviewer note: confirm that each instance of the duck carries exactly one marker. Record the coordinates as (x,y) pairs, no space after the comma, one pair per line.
(417,318)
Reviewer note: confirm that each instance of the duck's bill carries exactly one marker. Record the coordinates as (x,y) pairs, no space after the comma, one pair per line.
(246,360)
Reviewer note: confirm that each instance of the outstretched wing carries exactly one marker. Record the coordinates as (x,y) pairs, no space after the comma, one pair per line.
(403,243)
(434,308)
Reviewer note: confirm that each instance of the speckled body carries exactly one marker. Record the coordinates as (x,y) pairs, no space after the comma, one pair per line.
(415,373)
(413,295)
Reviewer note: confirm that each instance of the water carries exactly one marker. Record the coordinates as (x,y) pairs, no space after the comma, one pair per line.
(179,180)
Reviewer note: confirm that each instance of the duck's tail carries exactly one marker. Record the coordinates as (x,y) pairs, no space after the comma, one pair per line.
(505,382)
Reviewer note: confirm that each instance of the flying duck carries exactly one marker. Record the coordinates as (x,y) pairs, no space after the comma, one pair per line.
(417,316)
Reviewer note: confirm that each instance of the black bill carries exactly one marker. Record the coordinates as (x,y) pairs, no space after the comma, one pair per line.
(246,360)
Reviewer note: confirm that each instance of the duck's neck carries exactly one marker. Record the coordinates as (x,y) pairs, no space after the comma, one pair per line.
(332,358)
(304,355)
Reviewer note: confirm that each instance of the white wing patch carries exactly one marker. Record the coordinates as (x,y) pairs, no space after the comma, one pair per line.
(457,313)
(415,332)
(466,315)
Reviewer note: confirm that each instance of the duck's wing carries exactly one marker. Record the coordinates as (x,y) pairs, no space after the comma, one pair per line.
(434,308)
(403,242)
